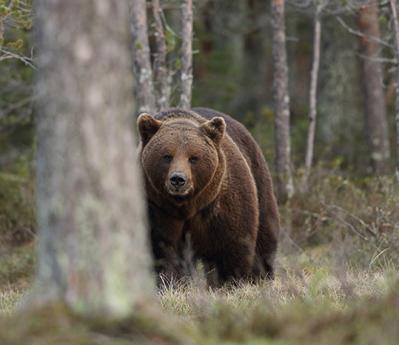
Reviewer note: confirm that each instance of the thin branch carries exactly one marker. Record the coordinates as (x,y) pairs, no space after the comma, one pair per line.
(7,55)
(378,59)
(360,34)
(17,105)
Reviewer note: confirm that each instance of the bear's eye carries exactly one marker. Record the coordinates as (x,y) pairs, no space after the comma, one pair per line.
(167,158)
(193,159)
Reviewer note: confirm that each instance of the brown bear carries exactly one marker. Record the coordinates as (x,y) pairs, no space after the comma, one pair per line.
(208,183)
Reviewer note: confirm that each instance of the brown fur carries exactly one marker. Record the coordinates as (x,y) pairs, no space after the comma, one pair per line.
(226,208)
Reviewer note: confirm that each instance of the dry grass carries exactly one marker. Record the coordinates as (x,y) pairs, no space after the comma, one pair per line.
(307,304)
(307,284)
(357,219)
(337,264)
(9,297)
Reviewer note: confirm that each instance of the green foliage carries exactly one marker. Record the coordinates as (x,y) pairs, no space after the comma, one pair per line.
(170,38)
(17,218)
(18,14)
(16,129)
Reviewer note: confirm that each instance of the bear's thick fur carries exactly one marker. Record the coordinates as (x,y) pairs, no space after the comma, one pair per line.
(208,186)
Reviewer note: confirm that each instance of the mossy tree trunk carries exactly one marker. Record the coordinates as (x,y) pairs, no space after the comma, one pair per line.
(93,251)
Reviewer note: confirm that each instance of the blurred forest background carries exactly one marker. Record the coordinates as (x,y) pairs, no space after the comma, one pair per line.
(232,73)
(340,226)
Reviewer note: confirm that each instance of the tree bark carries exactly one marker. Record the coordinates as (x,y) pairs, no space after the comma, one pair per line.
(372,80)
(1,30)
(396,31)
(313,95)
(145,95)
(285,188)
(93,251)
(186,74)
(161,71)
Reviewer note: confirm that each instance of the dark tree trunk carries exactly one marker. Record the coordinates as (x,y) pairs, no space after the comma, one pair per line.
(372,80)
(396,30)
(93,252)
(281,103)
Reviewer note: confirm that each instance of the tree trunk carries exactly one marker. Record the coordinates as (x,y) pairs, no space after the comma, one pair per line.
(186,74)
(93,251)
(161,71)
(1,30)
(396,30)
(313,96)
(372,80)
(285,186)
(145,95)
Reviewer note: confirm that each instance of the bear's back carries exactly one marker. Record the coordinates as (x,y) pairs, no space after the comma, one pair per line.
(269,218)
(240,135)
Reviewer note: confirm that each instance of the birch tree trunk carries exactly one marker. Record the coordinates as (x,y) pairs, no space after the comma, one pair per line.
(396,30)
(313,95)
(161,71)
(285,188)
(186,74)
(145,95)
(372,80)
(1,30)
(93,251)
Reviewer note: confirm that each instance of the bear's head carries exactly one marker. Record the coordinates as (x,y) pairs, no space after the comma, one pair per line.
(180,156)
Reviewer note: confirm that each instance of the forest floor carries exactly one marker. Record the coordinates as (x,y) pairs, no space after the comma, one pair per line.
(309,302)
(336,283)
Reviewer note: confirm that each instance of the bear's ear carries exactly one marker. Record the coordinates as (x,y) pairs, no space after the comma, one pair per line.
(215,128)
(147,126)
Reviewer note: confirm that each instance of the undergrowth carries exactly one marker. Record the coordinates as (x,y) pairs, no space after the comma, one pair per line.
(336,282)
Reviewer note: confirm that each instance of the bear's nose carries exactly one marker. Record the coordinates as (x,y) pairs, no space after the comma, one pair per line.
(178,179)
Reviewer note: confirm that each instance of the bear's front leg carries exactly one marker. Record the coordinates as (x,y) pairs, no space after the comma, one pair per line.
(235,262)
(166,234)
(234,255)
(233,236)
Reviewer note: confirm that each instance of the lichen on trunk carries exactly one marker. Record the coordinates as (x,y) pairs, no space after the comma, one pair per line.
(93,251)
